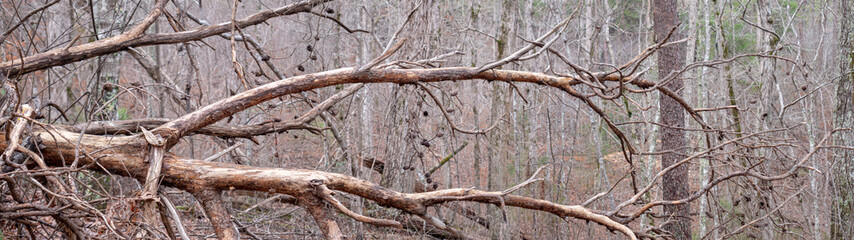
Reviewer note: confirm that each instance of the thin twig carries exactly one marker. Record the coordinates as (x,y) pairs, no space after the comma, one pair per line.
(341,24)
(388,53)
(223,152)
(448,116)
(518,54)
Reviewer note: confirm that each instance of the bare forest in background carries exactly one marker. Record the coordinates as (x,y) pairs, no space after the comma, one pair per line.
(425,119)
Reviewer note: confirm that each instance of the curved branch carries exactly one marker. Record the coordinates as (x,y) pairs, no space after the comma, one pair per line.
(248,131)
(212,113)
(341,24)
(448,116)
(324,193)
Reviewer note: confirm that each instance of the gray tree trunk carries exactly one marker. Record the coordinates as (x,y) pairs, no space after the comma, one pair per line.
(842,222)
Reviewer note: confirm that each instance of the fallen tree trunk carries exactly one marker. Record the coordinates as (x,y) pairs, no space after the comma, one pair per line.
(124,155)
(134,155)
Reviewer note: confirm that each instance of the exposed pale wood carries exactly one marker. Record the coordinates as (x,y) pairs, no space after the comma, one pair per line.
(154,158)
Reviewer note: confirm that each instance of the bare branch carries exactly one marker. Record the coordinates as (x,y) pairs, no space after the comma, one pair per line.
(518,54)
(135,38)
(324,193)
(205,116)
(24,19)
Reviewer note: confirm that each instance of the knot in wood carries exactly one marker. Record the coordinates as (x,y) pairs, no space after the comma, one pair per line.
(316,182)
(153,139)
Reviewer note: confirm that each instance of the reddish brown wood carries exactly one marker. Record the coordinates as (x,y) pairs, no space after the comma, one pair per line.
(217,213)
(671,59)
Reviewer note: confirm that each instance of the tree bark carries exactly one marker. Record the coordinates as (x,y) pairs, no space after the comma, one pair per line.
(498,157)
(217,213)
(206,179)
(671,59)
(125,155)
(842,220)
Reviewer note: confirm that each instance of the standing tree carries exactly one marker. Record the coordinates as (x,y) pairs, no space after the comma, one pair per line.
(843,174)
(671,60)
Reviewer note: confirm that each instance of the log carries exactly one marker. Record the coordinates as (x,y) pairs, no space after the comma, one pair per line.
(124,155)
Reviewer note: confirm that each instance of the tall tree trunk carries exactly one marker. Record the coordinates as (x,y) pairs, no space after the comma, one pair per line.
(842,222)
(671,59)
(499,154)
(702,100)
(648,166)
(767,73)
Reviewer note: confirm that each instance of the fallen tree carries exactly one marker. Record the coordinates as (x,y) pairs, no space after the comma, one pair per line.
(43,154)
(129,156)
(205,180)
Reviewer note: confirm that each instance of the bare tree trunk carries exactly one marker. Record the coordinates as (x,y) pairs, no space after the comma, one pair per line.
(648,166)
(500,104)
(671,59)
(767,70)
(842,220)
(107,67)
(478,158)
(702,100)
